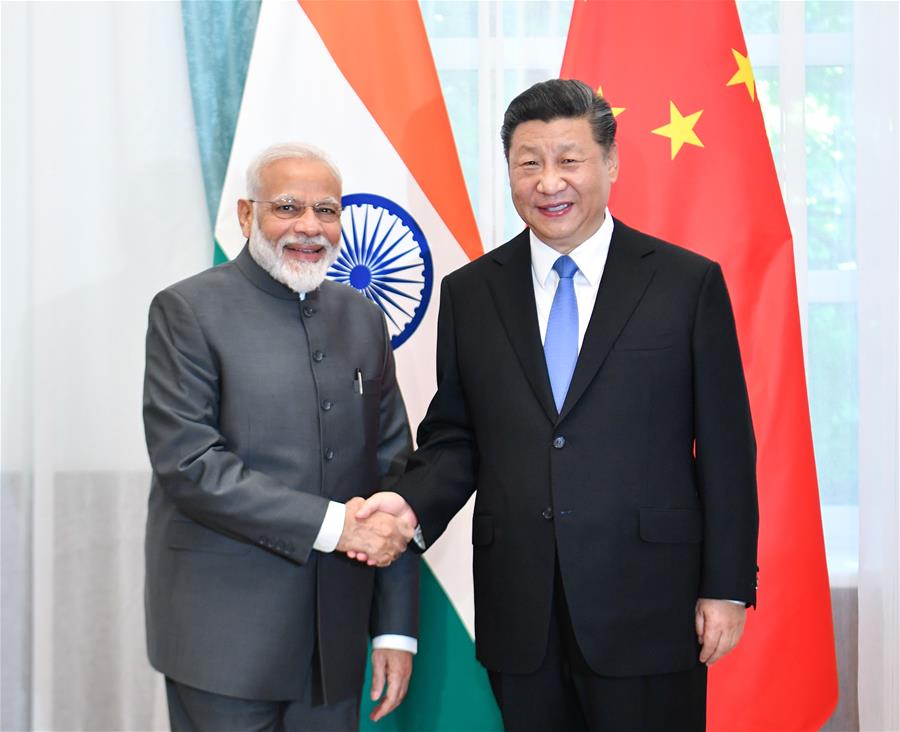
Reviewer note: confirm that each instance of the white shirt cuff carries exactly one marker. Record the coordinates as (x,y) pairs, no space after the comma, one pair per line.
(331,529)
(396,643)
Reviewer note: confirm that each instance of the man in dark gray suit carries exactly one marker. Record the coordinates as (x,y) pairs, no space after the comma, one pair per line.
(270,400)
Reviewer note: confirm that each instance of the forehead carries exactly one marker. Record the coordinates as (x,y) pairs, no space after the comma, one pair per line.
(556,135)
(300,178)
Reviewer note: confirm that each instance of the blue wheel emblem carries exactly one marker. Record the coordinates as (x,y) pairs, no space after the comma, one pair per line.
(385,256)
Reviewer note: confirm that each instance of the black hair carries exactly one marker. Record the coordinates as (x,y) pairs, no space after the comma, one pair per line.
(556,98)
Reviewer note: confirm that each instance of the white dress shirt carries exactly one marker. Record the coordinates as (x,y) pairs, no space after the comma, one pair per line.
(589,257)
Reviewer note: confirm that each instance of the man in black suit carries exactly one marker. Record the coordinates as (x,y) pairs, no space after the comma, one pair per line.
(590,390)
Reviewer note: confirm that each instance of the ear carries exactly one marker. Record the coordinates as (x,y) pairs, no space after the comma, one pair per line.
(245,216)
(612,162)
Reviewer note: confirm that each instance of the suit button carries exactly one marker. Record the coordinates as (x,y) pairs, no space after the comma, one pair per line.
(329,454)
(318,356)
(559,442)
(290,548)
(264,540)
(309,311)
(279,545)
(327,404)
(547,513)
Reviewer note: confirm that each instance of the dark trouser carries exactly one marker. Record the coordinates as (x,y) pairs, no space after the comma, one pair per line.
(193,710)
(564,695)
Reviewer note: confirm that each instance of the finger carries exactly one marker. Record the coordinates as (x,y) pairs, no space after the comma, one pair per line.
(710,642)
(404,687)
(378,668)
(699,623)
(723,647)
(727,643)
(378,712)
(370,506)
(391,698)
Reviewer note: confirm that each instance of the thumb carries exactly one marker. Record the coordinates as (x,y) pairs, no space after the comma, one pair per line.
(699,623)
(371,505)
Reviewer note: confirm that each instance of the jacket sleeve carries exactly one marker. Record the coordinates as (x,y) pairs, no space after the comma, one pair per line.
(395,605)
(725,449)
(441,474)
(190,456)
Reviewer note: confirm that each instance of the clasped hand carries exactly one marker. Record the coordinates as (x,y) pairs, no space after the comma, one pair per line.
(373,533)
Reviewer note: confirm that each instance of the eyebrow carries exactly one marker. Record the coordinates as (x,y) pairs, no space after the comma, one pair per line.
(289,197)
(564,147)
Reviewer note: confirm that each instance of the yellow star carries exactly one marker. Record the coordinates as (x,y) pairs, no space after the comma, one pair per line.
(680,129)
(615,110)
(744,74)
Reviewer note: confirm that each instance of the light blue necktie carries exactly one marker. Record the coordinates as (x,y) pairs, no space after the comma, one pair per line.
(561,340)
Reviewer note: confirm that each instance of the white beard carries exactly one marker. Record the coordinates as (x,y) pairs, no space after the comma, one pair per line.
(299,276)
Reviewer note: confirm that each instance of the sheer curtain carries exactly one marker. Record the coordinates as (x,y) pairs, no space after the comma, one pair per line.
(102,206)
(877,80)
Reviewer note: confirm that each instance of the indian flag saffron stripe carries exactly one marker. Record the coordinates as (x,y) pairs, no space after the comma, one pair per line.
(358,80)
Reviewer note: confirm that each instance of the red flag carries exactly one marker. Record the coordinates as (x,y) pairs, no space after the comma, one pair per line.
(696,170)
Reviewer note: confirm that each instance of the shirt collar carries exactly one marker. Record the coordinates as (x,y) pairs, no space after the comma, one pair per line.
(589,256)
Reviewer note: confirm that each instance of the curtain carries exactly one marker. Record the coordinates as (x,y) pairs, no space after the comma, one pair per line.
(876,83)
(102,207)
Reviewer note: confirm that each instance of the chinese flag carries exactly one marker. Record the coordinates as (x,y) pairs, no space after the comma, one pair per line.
(696,170)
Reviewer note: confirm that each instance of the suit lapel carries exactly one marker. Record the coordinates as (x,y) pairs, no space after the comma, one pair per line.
(513,293)
(627,274)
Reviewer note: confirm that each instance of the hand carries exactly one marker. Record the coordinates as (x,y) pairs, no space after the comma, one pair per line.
(388,502)
(719,624)
(396,667)
(377,540)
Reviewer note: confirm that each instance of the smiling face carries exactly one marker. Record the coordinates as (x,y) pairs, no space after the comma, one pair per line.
(560,179)
(297,252)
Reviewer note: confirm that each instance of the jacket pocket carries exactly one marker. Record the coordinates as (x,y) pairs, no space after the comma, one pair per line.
(643,341)
(671,525)
(194,537)
(482,530)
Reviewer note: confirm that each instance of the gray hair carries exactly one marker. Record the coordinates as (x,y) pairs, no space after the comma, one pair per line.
(560,98)
(281,151)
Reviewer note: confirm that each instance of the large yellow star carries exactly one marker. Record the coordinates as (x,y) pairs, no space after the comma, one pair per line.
(615,110)
(680,129)
(744,74)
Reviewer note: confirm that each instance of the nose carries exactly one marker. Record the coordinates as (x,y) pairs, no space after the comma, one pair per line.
(307,224)
(550,181)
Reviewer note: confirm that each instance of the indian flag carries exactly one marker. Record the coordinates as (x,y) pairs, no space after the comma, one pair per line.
(358,80)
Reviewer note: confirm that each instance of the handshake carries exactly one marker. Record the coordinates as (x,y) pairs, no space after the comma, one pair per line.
(377,530)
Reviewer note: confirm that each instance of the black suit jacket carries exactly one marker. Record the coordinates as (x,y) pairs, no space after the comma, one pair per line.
(643,486)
